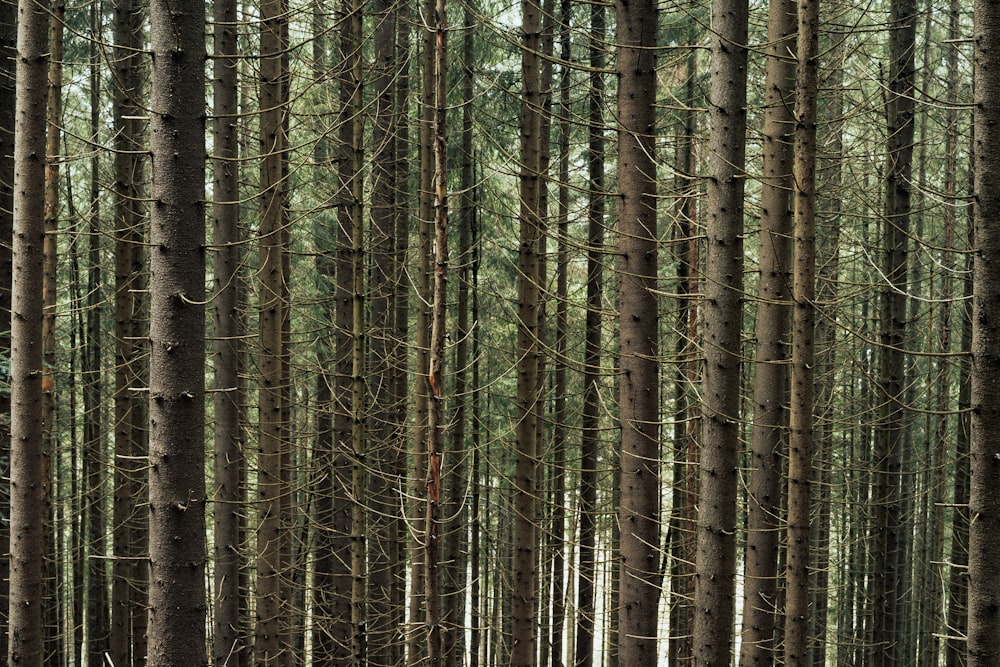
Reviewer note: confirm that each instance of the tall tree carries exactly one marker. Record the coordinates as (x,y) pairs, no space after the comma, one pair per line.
(128,588)
(723,292)
(95,452)
(416,641)
(586,584)
(771,358)
(525,565)
(984,503)
(269,640)
(891,533)
(560,411)
(682,528)
(54,111)
(29,493)
(8,50)
(227,346)
(638,403)
(526,475)
(384,454)
(332,506)
(177,549)
(830,194)
(435,379)
(351,312)
(958,581)
(800,445)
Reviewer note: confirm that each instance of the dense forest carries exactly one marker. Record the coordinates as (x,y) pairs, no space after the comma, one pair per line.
(474,333)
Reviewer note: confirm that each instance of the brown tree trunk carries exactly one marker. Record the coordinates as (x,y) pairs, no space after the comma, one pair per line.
(984,464)
(892,535)
(229,510)
(53,566)
(95,451)
(723,291)
(128,588)
(416,639)
(269,641)
(29,501)
(586,584)
(435,379)
(830,202)
(682,528)
(400,353)
(177,548)
(800,445)
(958,583)
(332,506)
(639,514)
(771,358)
(560,413)
(384,452)
(8,46)
(524,610)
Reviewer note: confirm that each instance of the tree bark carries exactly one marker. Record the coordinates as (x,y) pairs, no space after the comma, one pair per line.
(800,446)
(586,584)
(95,452)
(128,588)
(771,357)
(984,464)
(416,640)
(177,548)
(638,404)
(723,292)
(383,488)
(29,502)
(269,641)
(525,572)
(8,53)
(892,535)
(229,510)
(54,642)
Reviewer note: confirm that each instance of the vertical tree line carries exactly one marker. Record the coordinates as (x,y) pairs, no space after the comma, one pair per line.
(541,349)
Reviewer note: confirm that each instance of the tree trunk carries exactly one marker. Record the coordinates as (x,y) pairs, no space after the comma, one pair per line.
(892,535)
(829,194)
(8,58)
(526,481)
(560,414)
(269,641)
(716,556)
(682,528)
(457,582)
(332,631)
(586,603)
(229,510)
(958,583)
(416,640)
(95,452)
(383,488)
(433,520)
(639,514)
(771,357)
(800,445)
(29,500)
(53,566)
(128,588)
(177,549)
(984,464)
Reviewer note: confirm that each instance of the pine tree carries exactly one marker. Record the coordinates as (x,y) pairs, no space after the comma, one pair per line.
(177,541)
(638,401)
(29,500)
